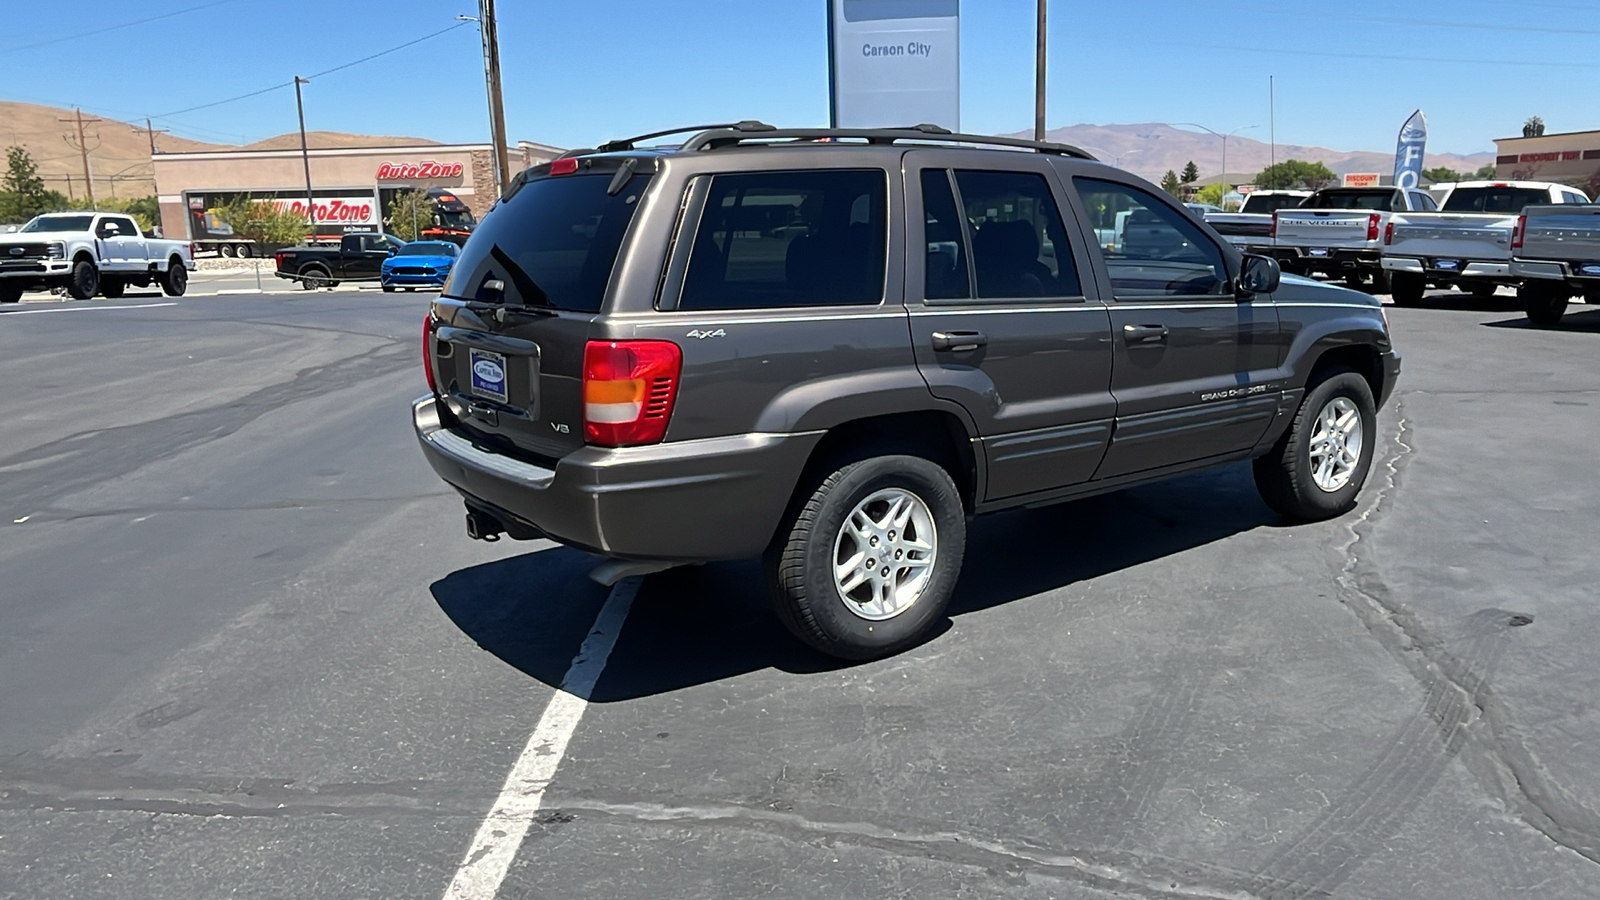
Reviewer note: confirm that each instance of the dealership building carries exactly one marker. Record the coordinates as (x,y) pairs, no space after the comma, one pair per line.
(352,187)
(1572,158)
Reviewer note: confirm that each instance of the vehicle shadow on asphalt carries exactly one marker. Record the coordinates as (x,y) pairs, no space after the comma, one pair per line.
(1578,319)
(1468,303)
(702,624)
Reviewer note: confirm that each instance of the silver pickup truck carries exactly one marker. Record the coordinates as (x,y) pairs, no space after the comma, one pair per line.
(1556,254)
(1251,226)
(1467,243)
(1339,231)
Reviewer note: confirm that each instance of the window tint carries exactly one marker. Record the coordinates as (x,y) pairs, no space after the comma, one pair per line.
(777,239)
(1494,199)
(1380,200)
(1258,203)
(550,242)
(1150,249)
(128,227)
(946,272)
(1019,246)
(1421,202)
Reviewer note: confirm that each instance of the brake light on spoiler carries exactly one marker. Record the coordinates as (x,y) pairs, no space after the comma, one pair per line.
(628,391)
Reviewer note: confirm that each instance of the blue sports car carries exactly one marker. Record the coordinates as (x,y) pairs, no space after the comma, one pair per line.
(419,264)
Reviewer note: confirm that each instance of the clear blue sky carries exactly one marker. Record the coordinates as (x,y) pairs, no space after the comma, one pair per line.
(580,71)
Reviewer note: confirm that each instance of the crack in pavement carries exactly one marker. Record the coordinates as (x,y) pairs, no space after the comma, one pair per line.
(82,460)
(1473,721)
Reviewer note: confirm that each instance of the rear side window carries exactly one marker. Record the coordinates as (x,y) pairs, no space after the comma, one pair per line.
(1019,246)
(785,239)
(551,243)
(1494,199)
(1151,250)
(945,277)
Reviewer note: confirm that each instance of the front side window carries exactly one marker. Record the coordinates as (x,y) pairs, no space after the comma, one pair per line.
(1019,245)
(789,239)
(1150,249)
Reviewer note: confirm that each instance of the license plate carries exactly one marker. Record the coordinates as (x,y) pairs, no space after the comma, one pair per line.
(1317,251)
(1447,265)
(488,374)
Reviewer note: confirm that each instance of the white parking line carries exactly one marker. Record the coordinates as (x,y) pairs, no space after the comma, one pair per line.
(29,312)
(501,834)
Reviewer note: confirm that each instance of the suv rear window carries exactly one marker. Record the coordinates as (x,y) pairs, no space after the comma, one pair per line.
(783,239)
(1494,199)
(552,243)
(1259,203)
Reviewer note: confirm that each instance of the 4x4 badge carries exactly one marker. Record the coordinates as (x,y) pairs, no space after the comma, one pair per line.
(699,334)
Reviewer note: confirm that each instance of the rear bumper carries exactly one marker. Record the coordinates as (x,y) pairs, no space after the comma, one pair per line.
(1470,268)
(686,501)
(1336,258)
(1551,271)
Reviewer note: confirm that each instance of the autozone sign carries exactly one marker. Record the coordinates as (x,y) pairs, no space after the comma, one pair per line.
(424,169)
(343,210)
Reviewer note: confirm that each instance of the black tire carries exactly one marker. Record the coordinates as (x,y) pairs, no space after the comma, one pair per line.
(1355,279)
(10,293)
(84,280)
(1544,302)
(175,280)
(112,288)
(1284,475)
(1482,290)
(314,277)
(226,251)
(388,289)
(245,251)
(800,562)
(1407,288)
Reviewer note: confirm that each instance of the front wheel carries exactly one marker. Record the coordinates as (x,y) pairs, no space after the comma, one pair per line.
(1318,467)
(866,566)
(388,289)
(1407,288)
(84,280)
(10,293)
(1544,302)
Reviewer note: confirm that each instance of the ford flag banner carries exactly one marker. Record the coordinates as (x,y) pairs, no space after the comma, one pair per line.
(894,63)
(1408,157)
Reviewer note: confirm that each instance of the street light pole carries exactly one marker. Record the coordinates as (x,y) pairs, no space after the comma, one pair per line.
(1039,80)
(305,154)
(1222,180)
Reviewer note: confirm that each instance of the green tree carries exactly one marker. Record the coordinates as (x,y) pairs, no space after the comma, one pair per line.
(1441,174)
(1170,183)
(1292,174)
(1485,173)
(147,210)
(263,221)
(409,214)
(1191,173)
(1211,193)
(22,191)
(1534,127)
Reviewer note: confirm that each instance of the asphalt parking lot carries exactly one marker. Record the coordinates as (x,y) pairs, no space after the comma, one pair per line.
(247,650)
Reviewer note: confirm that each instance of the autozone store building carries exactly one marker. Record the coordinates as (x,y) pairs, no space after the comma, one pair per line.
(352,187)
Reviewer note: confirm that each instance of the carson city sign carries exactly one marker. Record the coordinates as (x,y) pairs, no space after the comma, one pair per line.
(424,169)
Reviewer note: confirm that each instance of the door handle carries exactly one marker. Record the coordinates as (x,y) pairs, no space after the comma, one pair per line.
(1144,333)
(958,341)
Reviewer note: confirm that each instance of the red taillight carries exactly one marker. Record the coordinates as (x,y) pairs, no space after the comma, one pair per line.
(427,352)
(1388,234)
(628,391)
(564,166)
(1518,231)
(1372,226)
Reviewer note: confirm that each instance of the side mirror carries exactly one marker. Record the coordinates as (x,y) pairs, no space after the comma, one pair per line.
(1259,275)
(393,249)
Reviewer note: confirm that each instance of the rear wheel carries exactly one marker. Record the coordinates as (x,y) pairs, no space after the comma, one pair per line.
(314,277)
(10,293)
(84,280)
(112,288)
(1407,288)
(175,280)
(1545,302)
(868,563)
(226,250)
(246,251)
(1317,469)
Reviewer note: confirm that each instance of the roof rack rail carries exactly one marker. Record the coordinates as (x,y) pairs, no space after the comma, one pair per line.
(748,125)
(718,137)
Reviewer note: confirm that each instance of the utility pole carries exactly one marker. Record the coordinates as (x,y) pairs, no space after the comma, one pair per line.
(1038,86)
(83,149)
(490,30)
(152,131)
(305,154)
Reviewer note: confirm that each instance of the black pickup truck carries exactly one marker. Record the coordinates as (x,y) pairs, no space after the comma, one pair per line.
(359,257)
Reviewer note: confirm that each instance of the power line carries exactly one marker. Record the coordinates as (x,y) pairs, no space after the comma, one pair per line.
(82,34)
(276,87)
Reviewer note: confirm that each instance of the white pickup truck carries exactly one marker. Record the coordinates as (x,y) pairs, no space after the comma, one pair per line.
(1468,242)
(89,253)
(1251,226)
(1556,253)
(1339,231)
